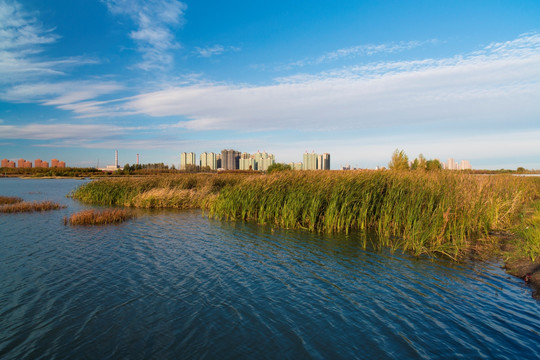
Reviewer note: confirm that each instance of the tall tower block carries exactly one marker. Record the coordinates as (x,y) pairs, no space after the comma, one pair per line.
(116,158)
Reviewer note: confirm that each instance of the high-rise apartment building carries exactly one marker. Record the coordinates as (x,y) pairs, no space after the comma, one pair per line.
(454,165)
(310,161)
(248,164)
(54,163)
(326,161)
(315,161)
(37,163)
(230,159)
(187,159)
(208,159)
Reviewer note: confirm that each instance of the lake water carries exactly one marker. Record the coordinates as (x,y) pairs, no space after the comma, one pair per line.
(175,284)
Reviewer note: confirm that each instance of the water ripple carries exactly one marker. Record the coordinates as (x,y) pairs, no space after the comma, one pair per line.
(172,284)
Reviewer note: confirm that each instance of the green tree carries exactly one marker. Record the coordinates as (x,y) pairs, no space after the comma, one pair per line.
(278,167)
(399,161)
(433,165)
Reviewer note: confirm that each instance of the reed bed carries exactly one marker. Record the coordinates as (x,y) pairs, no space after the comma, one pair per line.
(30,207)
(185,191)
(98,217)
(9,200)
(442,212)
(529,234)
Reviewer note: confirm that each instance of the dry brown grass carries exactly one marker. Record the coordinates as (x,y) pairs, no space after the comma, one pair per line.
(30,207)
(9,200)
(98,217)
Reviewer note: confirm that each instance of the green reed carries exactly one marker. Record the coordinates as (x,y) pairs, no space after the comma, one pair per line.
(422,212)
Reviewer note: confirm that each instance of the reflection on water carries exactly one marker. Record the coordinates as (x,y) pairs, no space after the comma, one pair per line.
(176,284)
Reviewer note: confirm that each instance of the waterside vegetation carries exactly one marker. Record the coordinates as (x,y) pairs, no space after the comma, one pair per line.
(422,212)
(9,200)
(98,217)
(25,206)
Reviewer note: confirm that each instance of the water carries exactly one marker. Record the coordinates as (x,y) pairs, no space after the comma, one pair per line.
(175,284)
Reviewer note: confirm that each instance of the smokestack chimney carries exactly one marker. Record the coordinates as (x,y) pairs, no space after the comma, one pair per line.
(116,158)
(137,159)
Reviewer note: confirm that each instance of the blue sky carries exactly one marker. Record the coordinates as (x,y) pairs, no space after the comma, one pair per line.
(357,79)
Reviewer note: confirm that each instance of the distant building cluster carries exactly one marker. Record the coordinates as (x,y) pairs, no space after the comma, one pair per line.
(451,164)
(38,163)
(313,161)
(230,159)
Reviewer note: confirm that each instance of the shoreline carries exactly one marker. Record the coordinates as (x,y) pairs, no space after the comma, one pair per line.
(443,214)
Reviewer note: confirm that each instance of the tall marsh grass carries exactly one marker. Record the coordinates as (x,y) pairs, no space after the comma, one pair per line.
(442,212)
(9,200)
(30,207)
(98,217)
(186,191)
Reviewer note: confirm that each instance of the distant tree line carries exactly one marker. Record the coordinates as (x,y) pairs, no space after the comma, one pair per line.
(46,172)
(400,161)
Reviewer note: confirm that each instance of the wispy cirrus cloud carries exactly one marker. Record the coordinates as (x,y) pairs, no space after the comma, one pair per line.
(483,87)
(214,50)
(22,38)
(82,132)
(357,51)
(155,21)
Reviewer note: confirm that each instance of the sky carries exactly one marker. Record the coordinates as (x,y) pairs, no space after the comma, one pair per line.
(357,79)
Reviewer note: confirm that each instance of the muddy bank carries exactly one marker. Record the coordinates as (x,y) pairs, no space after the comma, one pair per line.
(528,271)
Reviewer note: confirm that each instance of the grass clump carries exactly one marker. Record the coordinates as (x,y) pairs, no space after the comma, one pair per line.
(9,200)
(529,234)
(98,217)
(185,191)
(30,207)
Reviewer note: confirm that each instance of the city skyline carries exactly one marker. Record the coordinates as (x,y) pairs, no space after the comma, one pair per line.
(79,79)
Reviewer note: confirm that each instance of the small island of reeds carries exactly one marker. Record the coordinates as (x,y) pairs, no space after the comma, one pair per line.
(9,200)
(17,205)
(98,217)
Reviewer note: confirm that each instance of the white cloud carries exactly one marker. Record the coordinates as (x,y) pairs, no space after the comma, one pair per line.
(499,84)
(214,50)
(22,38)
(76,96)
(81,132)
(155,21)
(357,51)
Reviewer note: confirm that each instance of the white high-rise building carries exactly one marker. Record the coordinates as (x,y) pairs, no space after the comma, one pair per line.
(187,159)
(310,161)
(208,159)
(316,162)
(465,165)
